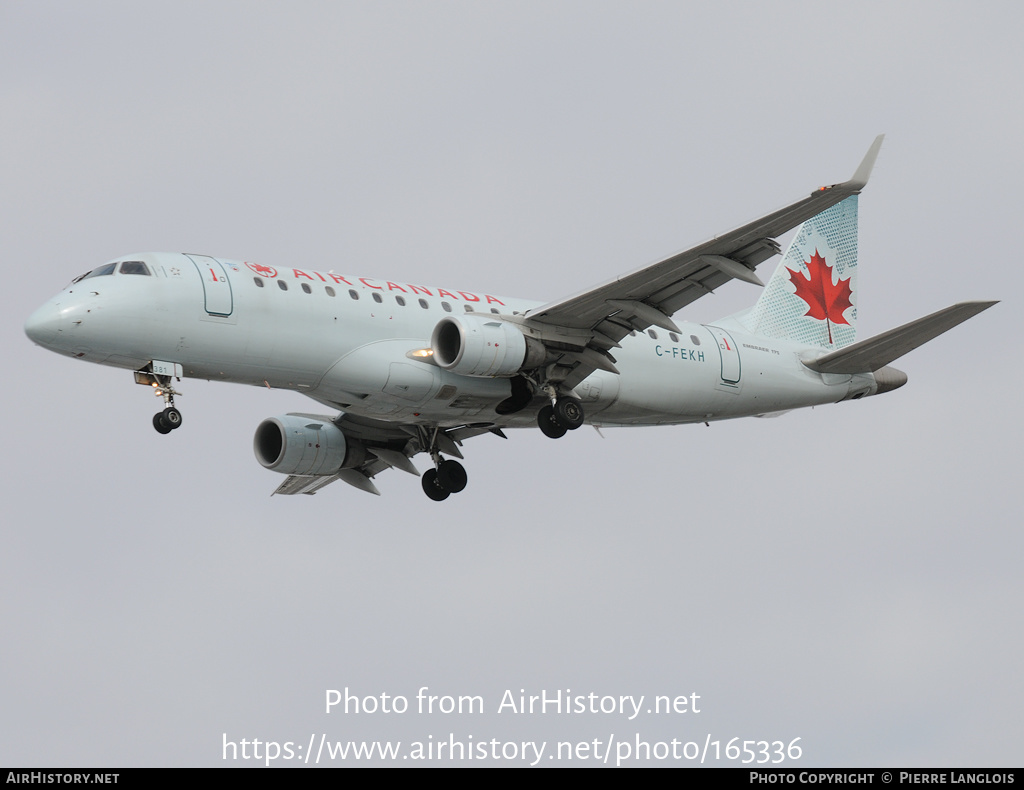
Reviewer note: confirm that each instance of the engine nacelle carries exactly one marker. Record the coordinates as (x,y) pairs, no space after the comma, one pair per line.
(298,445)
(475,345)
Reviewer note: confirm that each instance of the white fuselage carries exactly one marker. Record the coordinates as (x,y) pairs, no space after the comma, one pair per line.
(346,341)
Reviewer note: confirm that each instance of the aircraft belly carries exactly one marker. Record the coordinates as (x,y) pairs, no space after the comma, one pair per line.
(667,382)
(380,379)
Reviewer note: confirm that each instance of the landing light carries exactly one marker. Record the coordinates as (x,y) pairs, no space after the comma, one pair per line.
(421,353)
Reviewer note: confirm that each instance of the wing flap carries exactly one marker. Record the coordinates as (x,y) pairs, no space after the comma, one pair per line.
(303,484)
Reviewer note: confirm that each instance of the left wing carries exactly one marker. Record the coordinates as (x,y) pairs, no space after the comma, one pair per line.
(595,320)
(387,445)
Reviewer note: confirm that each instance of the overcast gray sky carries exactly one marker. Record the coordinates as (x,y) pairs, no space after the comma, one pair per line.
(848,575)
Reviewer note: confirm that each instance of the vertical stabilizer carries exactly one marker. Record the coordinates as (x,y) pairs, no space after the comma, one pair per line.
(812,297)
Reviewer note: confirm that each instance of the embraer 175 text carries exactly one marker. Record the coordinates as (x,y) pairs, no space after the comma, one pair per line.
(420,369)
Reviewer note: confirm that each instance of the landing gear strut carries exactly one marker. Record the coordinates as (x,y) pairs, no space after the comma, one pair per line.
(565,414)
(170,418)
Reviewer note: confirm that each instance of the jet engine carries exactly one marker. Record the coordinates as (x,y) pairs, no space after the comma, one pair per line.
(295,444)
(476,345)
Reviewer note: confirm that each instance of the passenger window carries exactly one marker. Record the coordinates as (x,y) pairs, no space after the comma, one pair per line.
(354,295)
(673,337)
(400,300)
(258,281)
(306,288)
(469,308)
(653,334)
(282,285)
(423,304)
(134,267)
(377,297)
(695,339)
(447,307)
(329,290)
(495,310)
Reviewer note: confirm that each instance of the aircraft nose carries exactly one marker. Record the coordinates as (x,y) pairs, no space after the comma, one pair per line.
(43,326)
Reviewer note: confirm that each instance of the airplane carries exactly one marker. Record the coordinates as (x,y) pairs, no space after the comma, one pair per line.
(415,369)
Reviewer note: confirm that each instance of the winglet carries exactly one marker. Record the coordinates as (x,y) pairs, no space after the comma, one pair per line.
(860,178)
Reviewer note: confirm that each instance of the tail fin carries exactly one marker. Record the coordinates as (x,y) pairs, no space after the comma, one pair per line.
(812,297)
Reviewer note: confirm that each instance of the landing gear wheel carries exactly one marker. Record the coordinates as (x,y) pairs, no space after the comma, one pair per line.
(172,417)
(568,413)
(548,425)
(432,488)
(451,476)
(160,423)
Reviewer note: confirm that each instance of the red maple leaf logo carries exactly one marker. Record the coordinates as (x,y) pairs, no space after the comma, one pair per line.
(261,270)
(827,302)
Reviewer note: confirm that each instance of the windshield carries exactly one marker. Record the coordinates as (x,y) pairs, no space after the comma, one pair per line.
(126,267)
(108,269)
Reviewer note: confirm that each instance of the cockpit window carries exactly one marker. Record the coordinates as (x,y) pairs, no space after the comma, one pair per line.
(134,267)
(108,269)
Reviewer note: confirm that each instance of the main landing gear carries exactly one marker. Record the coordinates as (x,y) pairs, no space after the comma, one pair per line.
(449,477)
(564,414)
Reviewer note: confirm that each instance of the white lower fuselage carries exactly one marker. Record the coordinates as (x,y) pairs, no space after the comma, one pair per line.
(214,319)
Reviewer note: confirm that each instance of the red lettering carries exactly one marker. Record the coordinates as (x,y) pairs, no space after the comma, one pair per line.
(299,273)
(395,287)
(442,293)
(418,289)
(320,276)
(469,297)
(363,280)
(338,278)
(495,300)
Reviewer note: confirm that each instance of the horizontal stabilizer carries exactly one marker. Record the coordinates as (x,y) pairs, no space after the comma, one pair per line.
(874,353)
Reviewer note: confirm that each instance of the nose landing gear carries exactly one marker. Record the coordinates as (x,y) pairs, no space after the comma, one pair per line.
(158,375)
(167,420)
